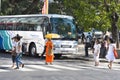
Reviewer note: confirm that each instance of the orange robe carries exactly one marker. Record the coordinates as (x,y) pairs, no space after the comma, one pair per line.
(49,51)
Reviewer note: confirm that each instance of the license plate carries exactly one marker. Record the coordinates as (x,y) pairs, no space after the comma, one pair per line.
(65,46)
(64,51)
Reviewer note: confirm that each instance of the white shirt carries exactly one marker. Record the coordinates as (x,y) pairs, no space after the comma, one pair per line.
(110,49)
(97,48)
(17,45)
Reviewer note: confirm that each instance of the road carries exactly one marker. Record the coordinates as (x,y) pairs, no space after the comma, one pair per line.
(62,69)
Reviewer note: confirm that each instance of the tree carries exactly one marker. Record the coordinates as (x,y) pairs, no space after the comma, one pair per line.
(88,13)
(98,14)
(31,7)
(56,7)
(13,7)
(111,7)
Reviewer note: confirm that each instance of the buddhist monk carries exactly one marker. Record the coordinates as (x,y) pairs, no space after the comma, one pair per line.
(49,51)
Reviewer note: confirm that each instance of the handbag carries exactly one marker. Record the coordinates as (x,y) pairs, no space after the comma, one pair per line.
(115,53)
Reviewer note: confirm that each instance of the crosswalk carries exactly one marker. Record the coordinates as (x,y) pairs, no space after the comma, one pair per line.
(57,67)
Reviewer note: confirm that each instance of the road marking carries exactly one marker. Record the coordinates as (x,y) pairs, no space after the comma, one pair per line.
(8,68)
(5,66)
(57,67)
(64,67)
(25,69)
(86,66)
(2,70)
(43,67)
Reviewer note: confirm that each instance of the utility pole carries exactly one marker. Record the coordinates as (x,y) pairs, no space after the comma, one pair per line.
(45,7)
(0,5)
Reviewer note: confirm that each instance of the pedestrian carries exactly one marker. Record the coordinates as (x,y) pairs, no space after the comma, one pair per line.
(87,44)
(96,51)
(42,55)
(104,46)
(82,38)
(110,54)
(18,50)
(49,51)
(13,53)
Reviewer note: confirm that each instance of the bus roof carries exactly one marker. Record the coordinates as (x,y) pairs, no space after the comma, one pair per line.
(46,15)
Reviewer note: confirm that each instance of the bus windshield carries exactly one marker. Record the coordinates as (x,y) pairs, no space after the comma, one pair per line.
(64,27)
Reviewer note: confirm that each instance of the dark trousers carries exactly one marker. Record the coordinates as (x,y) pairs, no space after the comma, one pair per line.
(43,53)
(87,45)
(13,58)
(103,52)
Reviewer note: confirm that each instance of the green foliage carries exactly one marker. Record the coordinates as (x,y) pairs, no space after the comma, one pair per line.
(92,13)
(13,7)
(87,13)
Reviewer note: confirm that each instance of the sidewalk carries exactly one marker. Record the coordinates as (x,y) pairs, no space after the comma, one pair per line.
(81,56)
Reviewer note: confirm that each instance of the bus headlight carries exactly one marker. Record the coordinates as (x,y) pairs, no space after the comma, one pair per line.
(56,46)
(75,46)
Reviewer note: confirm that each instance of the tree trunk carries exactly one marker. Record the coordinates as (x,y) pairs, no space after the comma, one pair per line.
(115,35)
(114,20)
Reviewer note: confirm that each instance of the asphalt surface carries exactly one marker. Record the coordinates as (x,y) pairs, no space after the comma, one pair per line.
(81,55)
(68,67)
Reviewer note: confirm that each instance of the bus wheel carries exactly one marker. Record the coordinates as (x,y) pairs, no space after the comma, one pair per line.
(32,50)
(58,55)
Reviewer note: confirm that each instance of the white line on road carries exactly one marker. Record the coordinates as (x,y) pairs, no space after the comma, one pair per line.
(1,70)
(64,67)
(26,69)
(42,67)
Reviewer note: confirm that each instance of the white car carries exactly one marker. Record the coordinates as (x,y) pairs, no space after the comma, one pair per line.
(98,34)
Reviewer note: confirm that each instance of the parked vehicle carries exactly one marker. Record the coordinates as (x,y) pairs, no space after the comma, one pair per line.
(33,29)
(98,34)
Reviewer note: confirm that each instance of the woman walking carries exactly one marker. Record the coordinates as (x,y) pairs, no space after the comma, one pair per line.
(96,51)
(18,48)
(110,54)
(13,53)
(49,51)
(104,46)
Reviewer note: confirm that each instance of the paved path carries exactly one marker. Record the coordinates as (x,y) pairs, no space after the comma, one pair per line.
(58,66)
(81,55)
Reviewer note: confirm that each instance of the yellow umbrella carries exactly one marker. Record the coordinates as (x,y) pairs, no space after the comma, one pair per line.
(52,35)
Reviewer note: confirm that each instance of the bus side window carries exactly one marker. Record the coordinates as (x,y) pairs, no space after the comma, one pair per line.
(30,29)
(38,28)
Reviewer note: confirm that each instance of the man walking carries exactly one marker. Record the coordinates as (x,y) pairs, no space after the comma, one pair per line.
(87,44)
